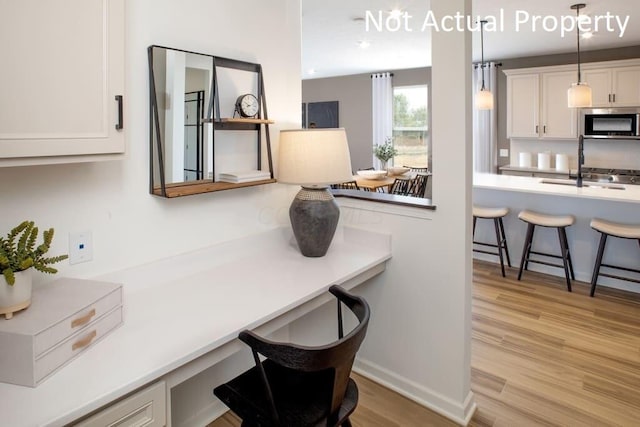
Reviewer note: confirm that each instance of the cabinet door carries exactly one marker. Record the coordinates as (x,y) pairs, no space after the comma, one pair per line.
(63,66)
(626,86)
(558,120)
(600,82)
(523,93)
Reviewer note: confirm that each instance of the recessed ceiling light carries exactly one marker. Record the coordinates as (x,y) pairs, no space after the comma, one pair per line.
(587,35)
(363,44)
(311,71)
(395,13)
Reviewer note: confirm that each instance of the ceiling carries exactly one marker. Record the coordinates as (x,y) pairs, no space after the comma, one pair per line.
(330,35)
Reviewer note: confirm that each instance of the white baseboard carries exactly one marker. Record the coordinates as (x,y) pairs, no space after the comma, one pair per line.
(459,412)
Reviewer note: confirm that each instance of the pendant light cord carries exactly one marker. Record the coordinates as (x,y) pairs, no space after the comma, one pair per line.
(578,7)
(482,51)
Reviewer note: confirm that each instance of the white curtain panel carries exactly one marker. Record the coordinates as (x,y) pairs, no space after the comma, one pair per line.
(485,123)
(382,106)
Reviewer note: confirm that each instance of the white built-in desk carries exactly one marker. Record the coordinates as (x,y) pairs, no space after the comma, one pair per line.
(183,314)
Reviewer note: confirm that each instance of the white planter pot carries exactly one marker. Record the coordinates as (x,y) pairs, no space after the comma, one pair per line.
(17,297)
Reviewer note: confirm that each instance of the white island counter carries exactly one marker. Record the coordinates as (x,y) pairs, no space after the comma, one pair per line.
(518,193)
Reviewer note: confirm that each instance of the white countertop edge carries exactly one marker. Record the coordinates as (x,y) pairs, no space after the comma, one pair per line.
(631,193)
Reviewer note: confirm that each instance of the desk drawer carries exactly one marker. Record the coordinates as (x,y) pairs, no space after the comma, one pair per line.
(80,341)
(48,338)
(146,408)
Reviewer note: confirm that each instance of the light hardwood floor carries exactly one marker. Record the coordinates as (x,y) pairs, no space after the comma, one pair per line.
(540,356)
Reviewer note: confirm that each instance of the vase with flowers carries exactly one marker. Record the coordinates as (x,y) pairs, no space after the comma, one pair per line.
(18,254)
(385,152)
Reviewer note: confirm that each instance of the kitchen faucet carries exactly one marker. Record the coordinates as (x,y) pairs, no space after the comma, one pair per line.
(580,160)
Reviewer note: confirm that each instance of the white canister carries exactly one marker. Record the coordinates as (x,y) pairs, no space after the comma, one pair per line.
(524,160)
(544,161)
(562,162)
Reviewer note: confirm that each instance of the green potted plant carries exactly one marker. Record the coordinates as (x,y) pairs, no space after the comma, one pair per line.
(385,152)
(18,253)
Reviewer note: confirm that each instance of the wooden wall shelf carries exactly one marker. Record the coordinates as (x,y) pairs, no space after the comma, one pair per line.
(239,120)
(191,188)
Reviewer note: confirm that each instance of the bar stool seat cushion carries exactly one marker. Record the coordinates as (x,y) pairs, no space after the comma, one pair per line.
(482,212)
(545,220)
(627,231)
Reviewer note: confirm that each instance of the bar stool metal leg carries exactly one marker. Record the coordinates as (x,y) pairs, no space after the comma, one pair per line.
(564,245)
(596,268)
(499,244)
(526,249)
(504,240)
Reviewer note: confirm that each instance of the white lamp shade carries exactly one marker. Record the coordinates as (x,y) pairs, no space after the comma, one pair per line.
(484,100)
(314,157)
(579,95)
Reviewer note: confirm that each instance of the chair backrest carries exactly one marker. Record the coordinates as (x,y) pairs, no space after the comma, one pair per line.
(418,185)
(336,357)
(400,186)
(415,169)
(349,185)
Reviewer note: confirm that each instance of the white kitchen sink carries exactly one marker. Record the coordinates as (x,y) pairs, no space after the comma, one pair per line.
(591,184)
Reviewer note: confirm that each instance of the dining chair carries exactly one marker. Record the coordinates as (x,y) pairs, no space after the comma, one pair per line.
(348,185)
(400,186)
(418,186)
(419,170)
(300,385)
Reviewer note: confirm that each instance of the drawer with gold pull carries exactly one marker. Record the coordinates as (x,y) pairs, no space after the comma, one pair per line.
(66,316)
(83,339)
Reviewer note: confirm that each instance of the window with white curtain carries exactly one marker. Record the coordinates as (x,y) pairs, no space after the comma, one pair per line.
(410,125)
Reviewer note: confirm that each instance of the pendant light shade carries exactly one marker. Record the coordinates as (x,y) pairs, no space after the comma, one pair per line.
(484,100)
(579,94)
(484,97)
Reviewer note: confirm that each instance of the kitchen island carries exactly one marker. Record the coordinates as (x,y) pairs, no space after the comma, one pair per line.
(619,203)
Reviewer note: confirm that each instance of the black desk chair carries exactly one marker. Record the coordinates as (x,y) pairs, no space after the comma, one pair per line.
(298,386)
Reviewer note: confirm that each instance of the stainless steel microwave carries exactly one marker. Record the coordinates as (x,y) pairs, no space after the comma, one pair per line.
(611,123)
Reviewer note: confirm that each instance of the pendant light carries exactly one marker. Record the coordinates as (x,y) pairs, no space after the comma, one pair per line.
(579,94)
(484,97)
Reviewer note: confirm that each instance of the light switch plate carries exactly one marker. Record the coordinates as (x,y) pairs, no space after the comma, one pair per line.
(80,247)
(504,152)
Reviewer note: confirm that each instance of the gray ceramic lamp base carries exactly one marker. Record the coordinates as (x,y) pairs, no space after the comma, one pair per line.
(314,216)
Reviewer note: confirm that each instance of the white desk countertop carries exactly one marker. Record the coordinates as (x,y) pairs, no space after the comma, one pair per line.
(179,309)
(630,194)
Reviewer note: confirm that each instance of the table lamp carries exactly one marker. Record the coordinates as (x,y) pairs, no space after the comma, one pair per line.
(314,158)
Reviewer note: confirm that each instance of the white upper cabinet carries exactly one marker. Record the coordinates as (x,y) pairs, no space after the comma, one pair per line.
(537,97)
(62,81)
(558,121)
(614,87)
(523,105)
(600,82)
(626,86)
(537,106)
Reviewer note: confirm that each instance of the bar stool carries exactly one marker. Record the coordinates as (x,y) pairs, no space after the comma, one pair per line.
(561,222)
(496,214)
(623,231)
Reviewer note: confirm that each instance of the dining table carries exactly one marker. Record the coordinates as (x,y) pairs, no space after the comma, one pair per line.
(383,184)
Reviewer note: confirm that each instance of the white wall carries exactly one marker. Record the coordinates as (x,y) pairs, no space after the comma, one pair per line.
(419,339)
(112,199)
